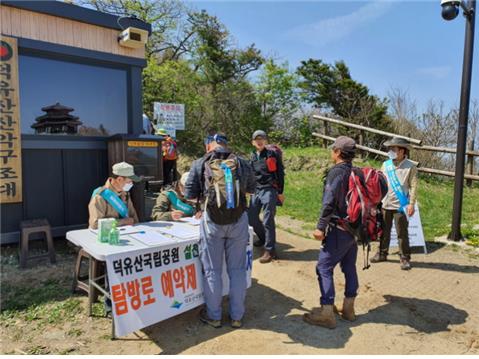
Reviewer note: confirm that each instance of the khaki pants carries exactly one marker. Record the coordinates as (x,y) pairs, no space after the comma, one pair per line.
(402,224)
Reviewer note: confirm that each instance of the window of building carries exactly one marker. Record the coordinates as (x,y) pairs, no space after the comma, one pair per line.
(97,94)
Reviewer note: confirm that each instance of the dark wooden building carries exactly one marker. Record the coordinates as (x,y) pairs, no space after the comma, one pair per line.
(69,55)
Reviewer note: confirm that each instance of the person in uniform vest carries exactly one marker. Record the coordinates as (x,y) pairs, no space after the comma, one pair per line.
(171,204)
(399,202)
(113,199)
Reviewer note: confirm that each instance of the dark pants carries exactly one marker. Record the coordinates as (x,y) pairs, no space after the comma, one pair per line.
(338,247)
(169,171)
(264,199)
(402,225)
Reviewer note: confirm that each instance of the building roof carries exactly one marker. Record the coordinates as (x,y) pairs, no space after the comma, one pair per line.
(79,13)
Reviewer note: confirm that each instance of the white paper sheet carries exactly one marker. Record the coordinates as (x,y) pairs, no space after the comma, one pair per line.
(191,220)
(182,231)
(153,238)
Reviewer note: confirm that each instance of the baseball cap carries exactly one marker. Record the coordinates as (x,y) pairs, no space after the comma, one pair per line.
(259,133)
(220,138)
(208,139)
(124,169)
(345,144)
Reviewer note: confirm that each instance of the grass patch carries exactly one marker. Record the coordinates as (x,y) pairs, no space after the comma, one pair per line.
(304,188)
(50,302)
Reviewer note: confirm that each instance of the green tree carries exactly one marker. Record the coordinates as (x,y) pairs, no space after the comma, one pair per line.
(331,88)
(277,93)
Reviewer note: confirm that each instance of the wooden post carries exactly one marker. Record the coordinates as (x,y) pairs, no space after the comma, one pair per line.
(326,133)
(361,143)
(470,162)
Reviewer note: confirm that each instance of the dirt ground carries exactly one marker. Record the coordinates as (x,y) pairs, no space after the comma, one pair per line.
(432,309)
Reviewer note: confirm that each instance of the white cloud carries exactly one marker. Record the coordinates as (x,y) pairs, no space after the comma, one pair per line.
(437,72)
(333,29)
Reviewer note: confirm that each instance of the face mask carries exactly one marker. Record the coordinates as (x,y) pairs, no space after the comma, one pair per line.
(127,186)
(392,155)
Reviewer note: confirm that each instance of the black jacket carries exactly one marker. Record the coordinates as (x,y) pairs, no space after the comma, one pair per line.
(264,178)
(334,194)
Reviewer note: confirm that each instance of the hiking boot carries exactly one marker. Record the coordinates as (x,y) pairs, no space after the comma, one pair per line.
(236,324)
(268,256)
(405,264)
(347,312)
(323,317)
(379,257)
(211,322)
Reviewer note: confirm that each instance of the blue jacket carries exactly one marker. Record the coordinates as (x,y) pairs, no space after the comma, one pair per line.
(194,187)
(334,194)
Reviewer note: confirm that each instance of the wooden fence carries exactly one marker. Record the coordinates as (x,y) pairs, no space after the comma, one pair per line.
(416,144)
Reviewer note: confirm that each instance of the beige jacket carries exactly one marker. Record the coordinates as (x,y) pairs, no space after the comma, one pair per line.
(406,172)
(98,208)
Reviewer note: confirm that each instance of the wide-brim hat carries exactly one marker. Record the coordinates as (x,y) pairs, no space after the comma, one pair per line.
(398,142)
(162,132)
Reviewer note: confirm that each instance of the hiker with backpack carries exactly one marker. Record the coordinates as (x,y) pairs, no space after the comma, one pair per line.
(170,155)
(266,161)
(221,180)
(348,216)
(398,205)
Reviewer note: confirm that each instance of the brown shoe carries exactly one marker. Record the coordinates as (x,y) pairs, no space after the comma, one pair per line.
(323,317)
(268,256)
(347,312)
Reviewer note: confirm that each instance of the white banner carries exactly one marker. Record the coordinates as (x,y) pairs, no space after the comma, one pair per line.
(169,115)
(416,235)
(154,284)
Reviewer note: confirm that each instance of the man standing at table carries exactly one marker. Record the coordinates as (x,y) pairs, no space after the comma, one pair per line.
(222,180)
(113,200)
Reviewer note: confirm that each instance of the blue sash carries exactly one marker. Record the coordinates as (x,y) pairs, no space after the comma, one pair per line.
(114,200)
(177,204)
(396,185)
(230,199)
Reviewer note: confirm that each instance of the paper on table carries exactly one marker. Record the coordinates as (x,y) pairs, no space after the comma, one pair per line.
(191,220)
(152,238)
(181,231)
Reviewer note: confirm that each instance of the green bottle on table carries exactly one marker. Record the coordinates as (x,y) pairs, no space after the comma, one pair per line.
(114,237)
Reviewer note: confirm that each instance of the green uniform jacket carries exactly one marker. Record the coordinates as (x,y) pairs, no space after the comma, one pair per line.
(163,209)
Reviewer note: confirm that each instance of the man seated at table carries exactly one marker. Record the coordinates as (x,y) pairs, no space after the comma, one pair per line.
(113,200)
(171,204)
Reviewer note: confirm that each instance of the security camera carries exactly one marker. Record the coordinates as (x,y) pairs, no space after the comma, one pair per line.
(133,37)
(450,9)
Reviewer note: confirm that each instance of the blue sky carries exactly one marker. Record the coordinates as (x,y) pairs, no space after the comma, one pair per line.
(386,44)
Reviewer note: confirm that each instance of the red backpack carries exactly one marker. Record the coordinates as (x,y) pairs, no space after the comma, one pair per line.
(367,187)
(169,149)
